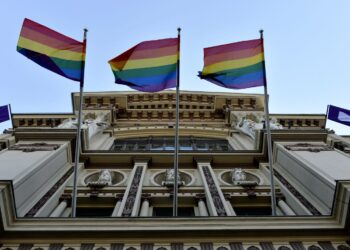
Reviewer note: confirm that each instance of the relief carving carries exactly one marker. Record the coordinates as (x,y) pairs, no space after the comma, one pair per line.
(308,147)
(32,147)
(130,201)
(219,206)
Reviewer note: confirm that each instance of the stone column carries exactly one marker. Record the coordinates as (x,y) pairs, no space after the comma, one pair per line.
(285,208)
(64,202)
(117,206)
(59,209)
(144,207)
(202,208)
(231,211)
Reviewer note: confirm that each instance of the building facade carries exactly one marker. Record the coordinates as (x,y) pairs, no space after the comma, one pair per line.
(125,178)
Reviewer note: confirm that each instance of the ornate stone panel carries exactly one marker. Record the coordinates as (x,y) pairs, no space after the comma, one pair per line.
(297,194)
(308,147)
(296,245)
(219,206)
(49,193)
(129,204)
(34,147)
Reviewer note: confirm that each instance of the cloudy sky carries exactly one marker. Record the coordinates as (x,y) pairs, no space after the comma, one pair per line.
(306,47)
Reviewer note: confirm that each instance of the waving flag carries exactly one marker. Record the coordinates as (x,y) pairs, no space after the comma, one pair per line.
(339,115)
(4,113)
(149,66)
(236,66)
(52,50)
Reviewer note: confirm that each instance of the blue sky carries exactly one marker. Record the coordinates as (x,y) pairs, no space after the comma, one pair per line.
(306,47)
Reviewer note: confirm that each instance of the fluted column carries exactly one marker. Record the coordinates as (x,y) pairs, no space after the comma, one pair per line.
(285,208)
(144,207)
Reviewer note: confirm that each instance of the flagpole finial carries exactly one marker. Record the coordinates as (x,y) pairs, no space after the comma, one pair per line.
(261,33)
(85,32)
(178,29)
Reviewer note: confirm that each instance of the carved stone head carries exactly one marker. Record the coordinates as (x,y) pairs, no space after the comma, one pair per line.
(238,174)
(105,177)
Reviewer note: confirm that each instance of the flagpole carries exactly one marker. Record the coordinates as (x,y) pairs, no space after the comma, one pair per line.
(326,116)
(268,130)
(11,116)
(77,143)
(176,156)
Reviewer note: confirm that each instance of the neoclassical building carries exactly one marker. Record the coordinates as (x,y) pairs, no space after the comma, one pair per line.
(125,177)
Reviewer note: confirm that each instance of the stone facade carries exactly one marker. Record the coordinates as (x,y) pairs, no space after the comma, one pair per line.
(125,194)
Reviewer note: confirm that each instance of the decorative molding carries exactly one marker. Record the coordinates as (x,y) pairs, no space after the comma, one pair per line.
(49,193)
(308,147)
(41,146)
(130,201)
(219,206)
(296,193)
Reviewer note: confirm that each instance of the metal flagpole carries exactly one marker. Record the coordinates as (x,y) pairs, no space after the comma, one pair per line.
(77,144)
(176,156)
(326,116)
(11,116)
(269,142)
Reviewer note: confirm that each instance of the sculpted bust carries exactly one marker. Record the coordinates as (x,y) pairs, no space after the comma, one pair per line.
(105,177)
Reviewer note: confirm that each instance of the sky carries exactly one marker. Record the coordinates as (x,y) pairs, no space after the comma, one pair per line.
(306,48)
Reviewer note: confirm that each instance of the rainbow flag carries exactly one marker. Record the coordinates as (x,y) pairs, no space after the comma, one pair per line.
(52,50)
(149,66)
(236,66)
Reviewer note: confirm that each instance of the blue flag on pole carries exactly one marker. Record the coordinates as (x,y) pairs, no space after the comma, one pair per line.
(4,113)
(339,115)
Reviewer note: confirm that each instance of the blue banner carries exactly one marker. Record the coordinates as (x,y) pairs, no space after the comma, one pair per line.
(339,115)
(4,113)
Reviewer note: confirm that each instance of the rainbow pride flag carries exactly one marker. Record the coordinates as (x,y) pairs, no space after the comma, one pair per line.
(236,66)
(149,66)
(52,50)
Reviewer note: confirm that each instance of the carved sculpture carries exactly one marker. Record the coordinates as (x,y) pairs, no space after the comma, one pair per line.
(93,126)
(170,178)
(239,177)
(248,123)
(104,179)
